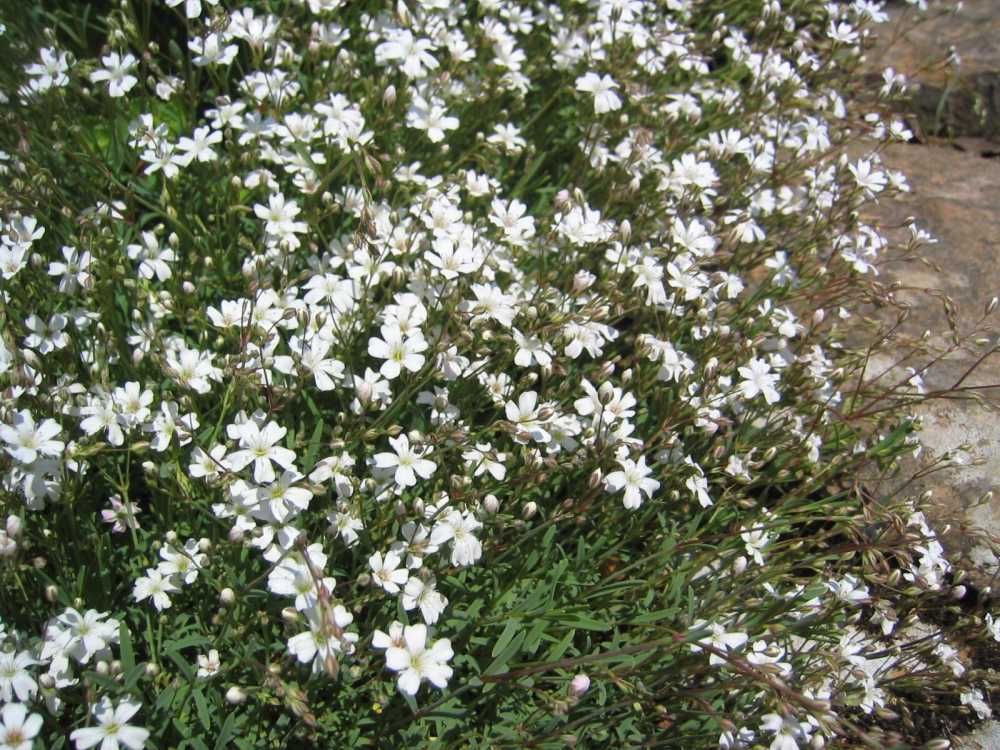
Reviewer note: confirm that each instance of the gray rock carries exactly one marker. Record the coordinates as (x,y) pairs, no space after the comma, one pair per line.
(987,737)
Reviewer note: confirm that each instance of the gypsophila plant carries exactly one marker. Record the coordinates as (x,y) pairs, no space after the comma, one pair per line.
(455,375)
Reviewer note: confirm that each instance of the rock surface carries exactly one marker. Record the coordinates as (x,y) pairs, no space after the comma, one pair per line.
(956,100)
(987,737)
(955,196)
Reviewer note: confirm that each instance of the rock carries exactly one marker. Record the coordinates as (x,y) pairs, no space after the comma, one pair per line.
(986,737)
(948,100)
(953,197)
(910,45)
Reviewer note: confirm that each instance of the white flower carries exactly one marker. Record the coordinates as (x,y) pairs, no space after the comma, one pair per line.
(406,463)
(416,662)
(524,414)
(26,440)
(154,259)
(398,351)
(431,117)
(117,71)
(17,729)
(80,636)
(15,679)
(413,55)
(208,665)
(154,586)
(602,87)
(192,8)
(184,564)
(386,572)
(259,447)
(758,379)
(788,732)
(325,638)
(719,639)
(423,594)
(112,729)
(634,479)
(199,148)
(531,349)
(459,528)
(46,337)
(993,627)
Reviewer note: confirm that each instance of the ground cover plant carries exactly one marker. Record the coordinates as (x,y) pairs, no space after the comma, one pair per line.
(456,375)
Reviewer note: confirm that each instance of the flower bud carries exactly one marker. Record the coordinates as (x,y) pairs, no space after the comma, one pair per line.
(235,696)
(529,510)
(595,479)
(14,526)
(579,685)
(583,280)
(227,597)
(51,594)
(491,504)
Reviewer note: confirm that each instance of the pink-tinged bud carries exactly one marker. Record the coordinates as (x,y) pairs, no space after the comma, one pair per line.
(491,504)
(14,526)
(583,280)
(579,685)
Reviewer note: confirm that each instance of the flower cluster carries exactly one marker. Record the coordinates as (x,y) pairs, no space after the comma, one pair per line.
(366,354)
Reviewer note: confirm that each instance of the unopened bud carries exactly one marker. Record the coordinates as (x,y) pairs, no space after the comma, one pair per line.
(51,594)
(579,685)
(14,526)
(529,510)
(595,479)
(491,504)
(227,597)
(235,696)
(582,280)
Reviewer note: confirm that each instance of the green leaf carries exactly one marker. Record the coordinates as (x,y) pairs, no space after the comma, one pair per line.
(132,676)
(204,714)
(186,669)
(534,636)
(499,664)
(506,637)
(125,647)
(313,449)
(228,727)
